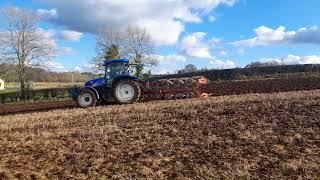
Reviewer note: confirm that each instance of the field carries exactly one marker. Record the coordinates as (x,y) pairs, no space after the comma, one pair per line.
(215,88)
(255,135)
(14,87)
(218,88)
(45,105)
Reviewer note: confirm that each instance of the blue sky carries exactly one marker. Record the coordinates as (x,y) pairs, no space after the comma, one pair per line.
(208,33)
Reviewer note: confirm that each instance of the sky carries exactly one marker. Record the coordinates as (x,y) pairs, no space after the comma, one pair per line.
(213,34)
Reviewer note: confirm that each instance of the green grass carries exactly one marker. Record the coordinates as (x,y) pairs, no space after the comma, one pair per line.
(43,85)
(12,87)
(8,91)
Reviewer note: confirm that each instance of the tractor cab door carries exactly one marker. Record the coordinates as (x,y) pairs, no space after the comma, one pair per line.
(115,70)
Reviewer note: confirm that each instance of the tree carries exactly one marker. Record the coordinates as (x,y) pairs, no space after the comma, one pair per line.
(139,46)
(23,43)
(109,44)
(188,69)
(7,72)
(112,52)
(134,43)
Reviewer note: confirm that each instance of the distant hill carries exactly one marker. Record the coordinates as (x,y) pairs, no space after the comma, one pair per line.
(8,74)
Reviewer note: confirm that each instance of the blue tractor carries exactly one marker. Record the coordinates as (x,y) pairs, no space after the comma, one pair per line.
(118,84)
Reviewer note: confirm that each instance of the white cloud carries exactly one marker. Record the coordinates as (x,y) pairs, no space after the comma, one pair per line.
(86,68)
(220,64)
(211,18)
(193,45)
(65,51)
(171,58)
(168,64)
(268,36)
(54,66)
(164,19)
(157,28)
(241,51)
(157,71)
(223,53)
(47,36)
(307,35)
(45,13)
(292,59)
(71,35)
(215,41)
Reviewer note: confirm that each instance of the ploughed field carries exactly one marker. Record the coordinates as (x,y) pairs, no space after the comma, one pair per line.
(219,88)
(216,88)
(36,106)
(255,135)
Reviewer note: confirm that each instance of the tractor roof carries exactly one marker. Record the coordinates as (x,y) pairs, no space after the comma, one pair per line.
(115,61)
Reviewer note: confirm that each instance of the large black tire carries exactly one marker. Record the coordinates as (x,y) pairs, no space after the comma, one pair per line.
(87,98)
(126,91)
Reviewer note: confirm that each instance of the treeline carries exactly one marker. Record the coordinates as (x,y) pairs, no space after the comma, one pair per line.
(8,73)
(251,72)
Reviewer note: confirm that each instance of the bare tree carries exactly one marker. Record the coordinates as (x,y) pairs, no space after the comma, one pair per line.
(139,46)
(134,44)
(106,41)
(188,69)
(23,43)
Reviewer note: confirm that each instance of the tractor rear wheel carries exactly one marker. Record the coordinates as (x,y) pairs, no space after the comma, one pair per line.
(87,98)
(126,91)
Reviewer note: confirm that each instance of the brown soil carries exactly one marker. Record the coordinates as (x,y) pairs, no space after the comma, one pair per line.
(260,136)
(37,106)
(262,86)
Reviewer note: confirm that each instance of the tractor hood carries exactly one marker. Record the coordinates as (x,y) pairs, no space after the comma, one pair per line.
(96,82)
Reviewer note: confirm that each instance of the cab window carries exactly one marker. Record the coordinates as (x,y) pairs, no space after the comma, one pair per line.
(117,69)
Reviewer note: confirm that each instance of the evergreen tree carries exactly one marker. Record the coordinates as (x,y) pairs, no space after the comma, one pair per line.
(112,52)
(138,60)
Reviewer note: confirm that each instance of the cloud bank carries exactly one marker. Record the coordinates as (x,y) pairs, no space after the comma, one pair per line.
(292,60)
(165,20)
(268,36)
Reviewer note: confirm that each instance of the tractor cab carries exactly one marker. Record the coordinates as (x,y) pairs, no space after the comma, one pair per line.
(117,68)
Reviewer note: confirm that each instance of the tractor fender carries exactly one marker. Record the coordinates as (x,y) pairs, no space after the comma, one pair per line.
(93,90)
(123,77)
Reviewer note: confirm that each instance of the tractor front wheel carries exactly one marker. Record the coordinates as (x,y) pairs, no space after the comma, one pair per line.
(87,98)
(126,91)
